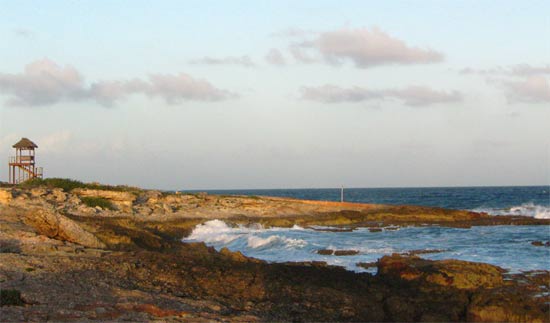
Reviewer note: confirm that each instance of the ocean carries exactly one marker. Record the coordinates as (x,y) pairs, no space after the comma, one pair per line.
(506,246)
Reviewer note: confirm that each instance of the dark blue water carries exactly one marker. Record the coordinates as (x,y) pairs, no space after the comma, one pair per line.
(516,200)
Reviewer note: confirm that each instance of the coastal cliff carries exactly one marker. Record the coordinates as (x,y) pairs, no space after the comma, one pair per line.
(96,253)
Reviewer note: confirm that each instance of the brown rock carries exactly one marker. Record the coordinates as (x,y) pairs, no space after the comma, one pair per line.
(54,225)
(345,252)
(5,196)
(455,273)
(325,252)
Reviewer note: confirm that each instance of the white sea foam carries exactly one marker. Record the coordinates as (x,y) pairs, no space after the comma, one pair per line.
(218,232)
(525,209)
(259,242)
(214,231)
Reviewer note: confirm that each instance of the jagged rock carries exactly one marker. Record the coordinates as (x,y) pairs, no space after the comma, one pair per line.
(38,191)
(5,196)
(57,226)
(57,195)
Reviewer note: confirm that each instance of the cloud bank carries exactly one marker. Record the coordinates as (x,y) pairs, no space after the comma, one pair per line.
(363,47)
(44,82)
(412,96)
(534,89)
(522,83)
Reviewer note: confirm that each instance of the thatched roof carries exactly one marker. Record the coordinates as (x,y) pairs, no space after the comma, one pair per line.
(25,143)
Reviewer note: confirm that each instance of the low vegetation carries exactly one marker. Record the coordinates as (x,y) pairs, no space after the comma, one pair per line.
(98,201)
(70,184)
(10,297)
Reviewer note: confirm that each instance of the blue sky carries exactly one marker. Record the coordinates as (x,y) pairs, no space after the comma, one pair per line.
(181,94)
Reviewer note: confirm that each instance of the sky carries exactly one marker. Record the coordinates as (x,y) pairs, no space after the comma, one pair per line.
(279,94)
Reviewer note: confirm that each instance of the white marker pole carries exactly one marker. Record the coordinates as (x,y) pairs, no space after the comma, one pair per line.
(342,194)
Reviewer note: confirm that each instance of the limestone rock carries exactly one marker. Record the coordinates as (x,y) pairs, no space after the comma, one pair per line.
(123,200)
(54,225)
(5,196)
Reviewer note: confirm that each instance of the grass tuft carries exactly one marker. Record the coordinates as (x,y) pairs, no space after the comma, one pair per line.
(70,184)
(98,201)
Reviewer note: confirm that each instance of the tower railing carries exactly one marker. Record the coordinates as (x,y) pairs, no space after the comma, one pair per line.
(21,159)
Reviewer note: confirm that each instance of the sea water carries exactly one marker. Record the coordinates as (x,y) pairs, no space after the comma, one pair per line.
(506,246)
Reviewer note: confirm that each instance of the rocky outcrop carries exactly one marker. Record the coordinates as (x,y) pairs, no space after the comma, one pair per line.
(447,273)
(54,225)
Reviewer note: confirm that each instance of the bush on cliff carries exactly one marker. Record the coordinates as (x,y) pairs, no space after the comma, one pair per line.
(70,184)
(98,201)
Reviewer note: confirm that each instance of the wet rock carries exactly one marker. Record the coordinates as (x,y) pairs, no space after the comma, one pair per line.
(329,252)
(366,265)
(540,243)
(423,251)
(325,252)
(345,252)
(375,229)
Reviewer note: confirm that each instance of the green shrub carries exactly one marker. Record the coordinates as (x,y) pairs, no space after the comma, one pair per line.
(64,183)
(70,184)
(10,297)
(98,201)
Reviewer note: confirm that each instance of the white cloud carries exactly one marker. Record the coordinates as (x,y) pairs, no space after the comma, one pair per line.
(244,61)
(365,48)
(412,95)
(422,96)
(275,57)
(183,87)
(335,94)
(44,82)
(534,89)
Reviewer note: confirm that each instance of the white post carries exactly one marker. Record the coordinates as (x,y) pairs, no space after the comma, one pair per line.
(342,194)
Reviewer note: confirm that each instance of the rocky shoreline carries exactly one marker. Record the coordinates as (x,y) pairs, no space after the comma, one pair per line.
(114,254)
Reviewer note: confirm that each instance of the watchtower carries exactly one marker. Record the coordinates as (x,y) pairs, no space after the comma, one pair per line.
(22,165)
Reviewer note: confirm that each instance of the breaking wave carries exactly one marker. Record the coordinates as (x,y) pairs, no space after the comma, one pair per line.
(218,232)
(525,209)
